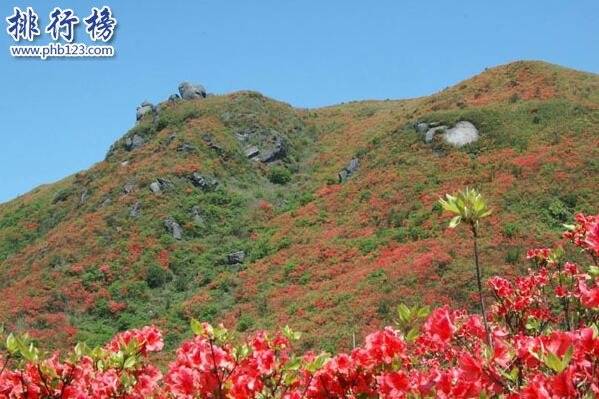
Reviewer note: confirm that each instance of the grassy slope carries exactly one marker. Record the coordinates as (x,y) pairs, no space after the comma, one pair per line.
(329,259)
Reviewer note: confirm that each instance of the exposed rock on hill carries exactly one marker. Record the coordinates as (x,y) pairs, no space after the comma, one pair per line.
(173,228)
(278,151)
(349,170)
(135,210)
(190,91)
(155,187)
(135,142)
(144,109)
(204,182)
(236,257)
(462,133)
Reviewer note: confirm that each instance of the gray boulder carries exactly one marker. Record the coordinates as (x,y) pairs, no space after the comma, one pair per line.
(242,136)
(461,134)
(207,137)
(204,182)
(196,213)
(349,170)
(105,202)
(236,257)
(132,143)
(144,109)
(279,151)
(252,151)
(174,98)
(189,91)
(135,210)
(155,187)
(421,127)
(352,166)
(173,228)
(127,188)
(216,148)
(170,139)
(84,197)
(343,175)
(185,148)
(165,184)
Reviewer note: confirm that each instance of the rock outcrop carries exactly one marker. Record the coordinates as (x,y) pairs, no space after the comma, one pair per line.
(189,91)
(205,183)
(132,143)
(135,210)
(155,187)
(462,133)
(236,257)
(209,139)
(173,228)
(278,151)
(349,170)
(196,214)
(252,151)
(127,188)
(144,109)
(185,148)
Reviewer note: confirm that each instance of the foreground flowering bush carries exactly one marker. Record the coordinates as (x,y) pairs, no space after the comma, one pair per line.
(544,343)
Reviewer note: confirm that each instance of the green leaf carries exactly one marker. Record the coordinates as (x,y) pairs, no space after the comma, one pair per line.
(455,221)
(485,214)
(293,364)
(196,327)
(317,363)
(129,363)
(424,311)
(11,343)
(567,357)
(412,335)
(552,361)
(404,312)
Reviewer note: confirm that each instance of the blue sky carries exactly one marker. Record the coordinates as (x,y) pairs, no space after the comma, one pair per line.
(61,115)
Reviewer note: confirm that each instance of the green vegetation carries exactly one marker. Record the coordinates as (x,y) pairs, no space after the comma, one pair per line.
(279,175)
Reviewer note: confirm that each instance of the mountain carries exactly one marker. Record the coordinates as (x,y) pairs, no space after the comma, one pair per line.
(242,209)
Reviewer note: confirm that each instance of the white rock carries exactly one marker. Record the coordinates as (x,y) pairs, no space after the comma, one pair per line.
(461,134)
(155,187)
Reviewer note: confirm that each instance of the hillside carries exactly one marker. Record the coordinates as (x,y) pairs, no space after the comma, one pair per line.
(191,213)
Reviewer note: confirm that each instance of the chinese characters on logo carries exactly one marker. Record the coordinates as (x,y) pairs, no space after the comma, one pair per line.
(25,24)
(100,25)
(62,20)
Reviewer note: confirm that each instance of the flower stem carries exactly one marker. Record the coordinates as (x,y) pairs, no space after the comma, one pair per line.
(480,285)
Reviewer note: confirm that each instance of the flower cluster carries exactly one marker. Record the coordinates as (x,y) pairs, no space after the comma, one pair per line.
(544,344)
(585,233)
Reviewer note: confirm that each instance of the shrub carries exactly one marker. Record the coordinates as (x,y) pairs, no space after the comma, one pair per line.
(157,276)
(279,175)
(513,255)
(245,322)
(511,229)
(62,195)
